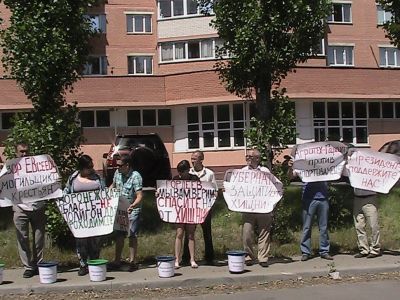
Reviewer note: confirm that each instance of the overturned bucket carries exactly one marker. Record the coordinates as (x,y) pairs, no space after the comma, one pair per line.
(1,272)
(48,272)
(236,261)
(166,266)
(97,269)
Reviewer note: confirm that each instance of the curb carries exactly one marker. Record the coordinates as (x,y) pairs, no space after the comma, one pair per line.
(176,282)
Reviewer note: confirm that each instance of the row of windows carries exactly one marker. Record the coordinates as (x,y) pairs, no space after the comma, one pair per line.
(141,23)
(134,117)
(389,57)
(348,121)
(205,49)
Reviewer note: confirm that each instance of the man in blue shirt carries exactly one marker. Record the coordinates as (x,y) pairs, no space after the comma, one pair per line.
(129,183)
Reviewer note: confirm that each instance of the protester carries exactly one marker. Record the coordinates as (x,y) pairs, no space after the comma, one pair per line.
(83,180)
(183,168)
(263,221)
(129,183)
(33,214)
(365,210)
(205,175)
(315,201)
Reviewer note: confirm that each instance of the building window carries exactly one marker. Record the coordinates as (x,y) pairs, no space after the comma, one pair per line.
(382,15)
(95,65)
(7,120)
(188,50)
(340,121)
(140,65)
(340,55)
(177,8)
(216,126)
(341,13)
(97,22)
(389,57)
(97,118)
(138,23)
(149,117)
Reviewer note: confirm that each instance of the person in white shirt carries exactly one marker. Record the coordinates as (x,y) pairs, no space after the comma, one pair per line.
(263,221)
(205,175)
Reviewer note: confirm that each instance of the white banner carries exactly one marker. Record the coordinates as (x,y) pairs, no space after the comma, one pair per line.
(251,191)
(321,161)
(29,179)
(121,218)
(184,201)
(373,171)
(90,213)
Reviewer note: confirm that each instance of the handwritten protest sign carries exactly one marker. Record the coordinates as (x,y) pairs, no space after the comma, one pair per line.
(251,191)
(372,170)
(321,161)
(183,201)
(29,179)
(121,219)
(90,213)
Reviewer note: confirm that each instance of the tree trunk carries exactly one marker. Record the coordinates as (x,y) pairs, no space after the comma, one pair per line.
(263,99)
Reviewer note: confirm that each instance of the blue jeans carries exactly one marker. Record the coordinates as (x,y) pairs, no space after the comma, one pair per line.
(310,208)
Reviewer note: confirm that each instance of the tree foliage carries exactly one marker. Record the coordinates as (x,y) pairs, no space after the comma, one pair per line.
(392,27)
(45,44)
(265,40)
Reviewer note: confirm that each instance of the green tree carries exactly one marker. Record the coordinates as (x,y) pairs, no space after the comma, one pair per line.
(263,41)
(45,44)
(392,26)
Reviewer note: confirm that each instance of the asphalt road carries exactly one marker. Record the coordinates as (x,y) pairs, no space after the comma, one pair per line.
(372,290)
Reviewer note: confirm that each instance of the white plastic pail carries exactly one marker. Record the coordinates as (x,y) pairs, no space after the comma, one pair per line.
(97,269)
(166,266)
(48,272)
(236,261)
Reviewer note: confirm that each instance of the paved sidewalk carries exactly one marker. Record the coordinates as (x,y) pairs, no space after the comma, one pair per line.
(147,276)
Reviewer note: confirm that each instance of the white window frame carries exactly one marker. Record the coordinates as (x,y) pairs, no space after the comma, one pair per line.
(343,4)
(215,129)
(102,22)
(357,122)
(387,15)
(186,49)
(141,117)
(134,56)
(95,125)
(396,58)
(184,15)
(132,15)
(102,66)
(336,48)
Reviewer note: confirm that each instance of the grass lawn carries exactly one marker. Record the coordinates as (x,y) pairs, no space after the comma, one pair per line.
(157,238)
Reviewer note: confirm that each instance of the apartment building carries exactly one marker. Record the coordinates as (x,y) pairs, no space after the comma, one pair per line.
(151,70)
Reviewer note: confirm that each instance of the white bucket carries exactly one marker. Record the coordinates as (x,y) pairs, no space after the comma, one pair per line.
(166,266)
(48,272)
(97,269)
(236,261)
(1,272)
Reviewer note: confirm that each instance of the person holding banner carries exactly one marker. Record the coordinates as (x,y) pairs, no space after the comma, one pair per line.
(205,175)
(365,210)
(182,229)
(129,183)
(83,180)
(33,214)
(263,221)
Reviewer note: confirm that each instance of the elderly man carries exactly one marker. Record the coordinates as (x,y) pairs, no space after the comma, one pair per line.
(33,214)
(263,221)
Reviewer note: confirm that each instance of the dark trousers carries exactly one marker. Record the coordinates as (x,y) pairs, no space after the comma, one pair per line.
(208,244)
